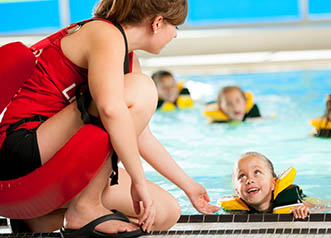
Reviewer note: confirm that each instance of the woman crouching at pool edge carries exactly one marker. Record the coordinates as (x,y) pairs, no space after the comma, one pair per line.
(255,183)
(125,104)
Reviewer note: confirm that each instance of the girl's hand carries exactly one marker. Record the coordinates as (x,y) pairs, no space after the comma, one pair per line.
(200,199)
(140,194)
(300,212)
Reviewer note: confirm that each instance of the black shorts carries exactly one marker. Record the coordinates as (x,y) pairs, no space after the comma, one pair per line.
(19,154)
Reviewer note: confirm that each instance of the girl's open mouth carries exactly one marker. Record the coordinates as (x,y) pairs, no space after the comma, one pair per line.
(253,191)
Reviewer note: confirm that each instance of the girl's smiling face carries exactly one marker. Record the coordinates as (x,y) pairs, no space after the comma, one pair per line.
(254,182)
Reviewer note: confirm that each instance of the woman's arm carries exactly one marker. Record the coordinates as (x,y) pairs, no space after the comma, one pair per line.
(158,157)
(105,57)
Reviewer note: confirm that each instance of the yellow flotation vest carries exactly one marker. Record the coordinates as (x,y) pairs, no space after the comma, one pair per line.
(322,127)
(183,100)
(321,124)
(284,182)
(213,112)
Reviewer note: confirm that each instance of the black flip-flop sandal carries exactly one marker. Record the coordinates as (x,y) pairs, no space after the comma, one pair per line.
(88,231)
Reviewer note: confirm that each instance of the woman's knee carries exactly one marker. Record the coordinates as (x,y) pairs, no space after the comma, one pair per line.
(168,208)
(119,197)
(172,214)
(140,93)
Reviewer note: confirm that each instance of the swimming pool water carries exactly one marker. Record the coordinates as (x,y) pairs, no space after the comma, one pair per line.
(207,152)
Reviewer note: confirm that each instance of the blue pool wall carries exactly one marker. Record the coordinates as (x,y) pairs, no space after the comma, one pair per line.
(45,16)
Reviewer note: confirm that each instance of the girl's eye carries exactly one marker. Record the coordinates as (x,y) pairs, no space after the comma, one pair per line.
(257,172)
(242,176)
(177,27)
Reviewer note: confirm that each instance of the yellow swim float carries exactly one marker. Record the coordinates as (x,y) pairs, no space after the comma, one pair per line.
(322,127)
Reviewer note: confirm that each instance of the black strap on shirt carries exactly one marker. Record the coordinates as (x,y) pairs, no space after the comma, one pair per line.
(119,27)
(15,125)
(84,99)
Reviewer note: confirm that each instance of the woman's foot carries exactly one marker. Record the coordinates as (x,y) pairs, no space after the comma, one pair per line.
(77,218)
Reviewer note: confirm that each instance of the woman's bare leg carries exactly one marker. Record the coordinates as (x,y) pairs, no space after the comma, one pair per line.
(50,222)
(87,206)
(56,131)
(141,98)
(118,197)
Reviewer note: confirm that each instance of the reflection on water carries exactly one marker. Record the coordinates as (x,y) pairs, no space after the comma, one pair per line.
(207,151)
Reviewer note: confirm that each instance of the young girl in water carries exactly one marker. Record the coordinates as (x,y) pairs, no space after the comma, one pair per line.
(254,181)
(172,94)
(323,124)
(232,101)
(232,104)
(43,116)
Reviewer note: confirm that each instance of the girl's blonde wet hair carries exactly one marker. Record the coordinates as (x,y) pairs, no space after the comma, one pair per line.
(135,12)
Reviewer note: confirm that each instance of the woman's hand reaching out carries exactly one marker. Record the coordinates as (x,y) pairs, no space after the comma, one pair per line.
(200,199)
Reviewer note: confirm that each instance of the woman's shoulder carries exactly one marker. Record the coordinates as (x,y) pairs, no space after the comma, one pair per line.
(95,37)
(101,29)
(102,37)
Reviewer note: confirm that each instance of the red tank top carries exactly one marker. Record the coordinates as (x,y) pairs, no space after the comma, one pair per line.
(49,89)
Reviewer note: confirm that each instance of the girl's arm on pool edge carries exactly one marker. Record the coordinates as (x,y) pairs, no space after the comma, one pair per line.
(157,156)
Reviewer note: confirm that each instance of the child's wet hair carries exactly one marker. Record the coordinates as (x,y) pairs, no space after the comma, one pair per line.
(255,154)
(136,11)
(158,75)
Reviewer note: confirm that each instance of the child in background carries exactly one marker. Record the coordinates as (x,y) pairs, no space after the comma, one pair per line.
(232,105)
(172,94)
(260,191)
(323,123)
(328,108)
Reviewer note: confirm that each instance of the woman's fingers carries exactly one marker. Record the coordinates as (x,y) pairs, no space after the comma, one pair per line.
(147,220)
(209,209)
(202,205)
(141,196)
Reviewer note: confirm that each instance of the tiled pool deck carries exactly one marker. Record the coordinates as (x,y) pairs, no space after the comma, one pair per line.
(239,225)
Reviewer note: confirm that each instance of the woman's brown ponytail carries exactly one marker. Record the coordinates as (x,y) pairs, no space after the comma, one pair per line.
(135,11)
